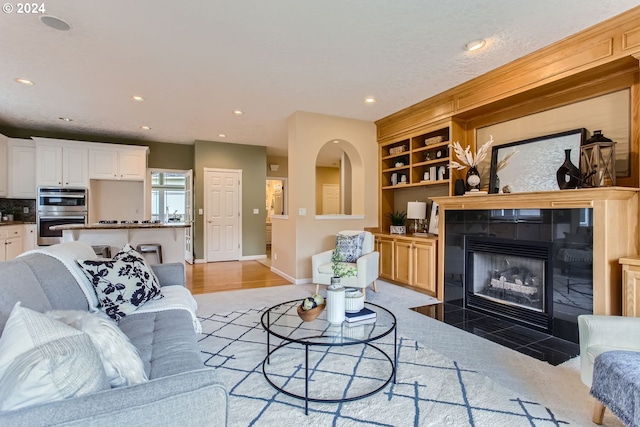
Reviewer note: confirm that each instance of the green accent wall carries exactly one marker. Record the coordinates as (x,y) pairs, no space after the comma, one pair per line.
(252,160)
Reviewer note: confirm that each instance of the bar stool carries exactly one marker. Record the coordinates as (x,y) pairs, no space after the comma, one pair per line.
(151,248)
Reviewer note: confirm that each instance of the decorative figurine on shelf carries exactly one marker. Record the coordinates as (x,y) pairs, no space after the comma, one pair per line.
(466,159)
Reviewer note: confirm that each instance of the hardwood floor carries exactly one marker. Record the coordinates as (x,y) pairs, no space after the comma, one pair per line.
(230,275)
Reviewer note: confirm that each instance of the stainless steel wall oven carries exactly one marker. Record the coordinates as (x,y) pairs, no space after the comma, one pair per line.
(59,206)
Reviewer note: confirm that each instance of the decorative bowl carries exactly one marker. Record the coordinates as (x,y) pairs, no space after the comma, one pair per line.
(310,315)
(353,300)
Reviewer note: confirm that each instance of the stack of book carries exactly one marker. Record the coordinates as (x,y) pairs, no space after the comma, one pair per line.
(361,317)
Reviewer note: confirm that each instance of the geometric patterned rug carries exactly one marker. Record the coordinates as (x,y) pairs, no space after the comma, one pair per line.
(430,390)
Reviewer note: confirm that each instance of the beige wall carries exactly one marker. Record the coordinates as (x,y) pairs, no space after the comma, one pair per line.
(298,237)
(324,175)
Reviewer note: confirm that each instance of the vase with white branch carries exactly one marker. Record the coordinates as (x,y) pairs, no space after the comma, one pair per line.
(466,159)
(502,163)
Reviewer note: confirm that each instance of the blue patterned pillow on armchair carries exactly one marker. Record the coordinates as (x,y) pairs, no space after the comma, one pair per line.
(349,248)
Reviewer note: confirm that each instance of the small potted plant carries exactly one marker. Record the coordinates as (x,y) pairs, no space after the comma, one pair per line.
(397,222)
(340,269)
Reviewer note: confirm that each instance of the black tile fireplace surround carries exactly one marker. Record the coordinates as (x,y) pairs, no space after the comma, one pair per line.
(563,236)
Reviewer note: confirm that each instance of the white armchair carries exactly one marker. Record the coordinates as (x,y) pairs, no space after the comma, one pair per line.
(605,333)
(599,334)
(366,265)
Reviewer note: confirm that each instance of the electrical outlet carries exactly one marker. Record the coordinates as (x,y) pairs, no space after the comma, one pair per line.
(25,209)
(275,256)
(256,211)
(200,211)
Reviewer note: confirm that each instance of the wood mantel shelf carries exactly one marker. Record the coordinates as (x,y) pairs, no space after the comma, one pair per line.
(560,199)
(615,224)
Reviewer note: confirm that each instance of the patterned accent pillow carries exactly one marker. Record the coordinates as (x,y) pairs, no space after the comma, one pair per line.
(123,283)
(349,248)
(43,360)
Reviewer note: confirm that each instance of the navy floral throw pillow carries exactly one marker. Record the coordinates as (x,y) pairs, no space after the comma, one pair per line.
(123,283)
(349,248)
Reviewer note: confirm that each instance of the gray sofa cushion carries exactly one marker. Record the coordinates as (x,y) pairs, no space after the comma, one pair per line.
(165,340)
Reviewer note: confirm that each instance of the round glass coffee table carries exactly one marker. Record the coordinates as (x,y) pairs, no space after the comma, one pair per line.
(355,356)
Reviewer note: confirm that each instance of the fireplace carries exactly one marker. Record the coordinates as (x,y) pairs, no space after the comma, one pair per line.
(511,279)
(558,247)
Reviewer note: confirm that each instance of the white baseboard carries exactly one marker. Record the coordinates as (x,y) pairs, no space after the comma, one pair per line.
(303,281)
(199,261)
(252,257)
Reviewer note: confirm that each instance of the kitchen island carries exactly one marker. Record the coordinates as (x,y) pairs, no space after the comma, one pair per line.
(170,236)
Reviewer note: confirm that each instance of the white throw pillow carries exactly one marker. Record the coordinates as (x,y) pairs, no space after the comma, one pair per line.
(120,358)
(123,283)
(43,360)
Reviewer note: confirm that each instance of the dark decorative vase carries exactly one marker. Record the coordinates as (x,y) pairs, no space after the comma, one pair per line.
(459,187)
(568,175)
(473,179)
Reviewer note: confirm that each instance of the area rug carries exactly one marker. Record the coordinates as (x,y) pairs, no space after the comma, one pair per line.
(430,389)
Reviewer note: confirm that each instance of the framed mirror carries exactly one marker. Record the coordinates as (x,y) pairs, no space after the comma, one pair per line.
(531,164)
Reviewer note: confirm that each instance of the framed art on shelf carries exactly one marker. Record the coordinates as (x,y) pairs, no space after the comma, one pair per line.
(433,219)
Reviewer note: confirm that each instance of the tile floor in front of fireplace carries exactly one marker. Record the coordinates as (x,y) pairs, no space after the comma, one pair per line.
(533,343)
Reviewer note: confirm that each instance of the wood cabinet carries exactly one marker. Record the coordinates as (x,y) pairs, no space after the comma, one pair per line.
(409,260)
(630,286)
(416,161)
(10,241)
(118,163)
(61,163)
(22,169)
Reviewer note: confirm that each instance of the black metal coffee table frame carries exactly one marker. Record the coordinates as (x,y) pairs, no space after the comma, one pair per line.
(308,341)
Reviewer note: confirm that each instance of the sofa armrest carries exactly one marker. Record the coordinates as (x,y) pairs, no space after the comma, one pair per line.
(197,398)
(171,274)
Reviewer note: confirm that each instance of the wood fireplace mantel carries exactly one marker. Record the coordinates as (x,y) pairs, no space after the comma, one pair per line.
(615,230)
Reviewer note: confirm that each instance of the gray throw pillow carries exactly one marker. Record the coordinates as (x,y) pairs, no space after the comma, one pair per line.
(349,248)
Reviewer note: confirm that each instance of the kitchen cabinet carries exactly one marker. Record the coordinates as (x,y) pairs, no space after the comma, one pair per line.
(118,163)
(61,163)
(10,241)
(22,169)
(408,260)
(4,163)
(30,237)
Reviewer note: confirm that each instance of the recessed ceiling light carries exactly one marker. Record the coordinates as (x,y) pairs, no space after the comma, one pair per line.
(475,45)
(238,112)
(370,100)
(25,82)
(65,119)
(222,135)
(137,98)
(55,22)
(145,127)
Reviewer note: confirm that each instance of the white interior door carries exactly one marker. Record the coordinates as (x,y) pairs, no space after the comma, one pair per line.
(330,199)
(222,216)
(188,216)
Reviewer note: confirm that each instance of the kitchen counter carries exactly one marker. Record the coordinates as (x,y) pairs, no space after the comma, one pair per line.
(116,226)
(170,236)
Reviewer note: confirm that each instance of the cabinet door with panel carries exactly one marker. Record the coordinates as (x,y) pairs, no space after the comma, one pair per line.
(103,164)
(424,266)
(30,237)
(403,261)
(75,167)
(132,165)
(385,247)
(22,169)
(49,165)
(10,242)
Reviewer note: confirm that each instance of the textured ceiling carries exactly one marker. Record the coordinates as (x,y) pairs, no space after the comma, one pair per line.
(196,61)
